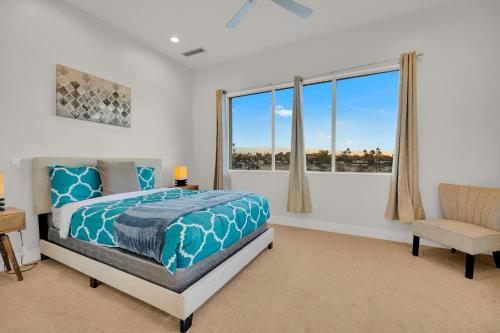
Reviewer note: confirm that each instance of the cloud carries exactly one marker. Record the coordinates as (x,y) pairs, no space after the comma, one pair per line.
(350,142)
(282,112)
(343,124)
(324,137)
(364,110)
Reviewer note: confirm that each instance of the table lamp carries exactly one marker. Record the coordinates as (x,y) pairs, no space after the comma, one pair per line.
(180,176)
(2,192)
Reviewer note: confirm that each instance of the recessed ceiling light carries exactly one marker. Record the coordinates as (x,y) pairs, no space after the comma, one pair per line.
(175,39)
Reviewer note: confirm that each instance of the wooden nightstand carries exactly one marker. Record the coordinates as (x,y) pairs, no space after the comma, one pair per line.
(12,219)
(187,187)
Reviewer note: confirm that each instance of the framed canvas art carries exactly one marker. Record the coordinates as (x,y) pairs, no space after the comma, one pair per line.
(88,97)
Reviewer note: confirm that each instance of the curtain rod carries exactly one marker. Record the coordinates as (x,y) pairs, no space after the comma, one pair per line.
(317,76)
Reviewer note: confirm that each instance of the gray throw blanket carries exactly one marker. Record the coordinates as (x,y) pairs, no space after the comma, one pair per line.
(142,229)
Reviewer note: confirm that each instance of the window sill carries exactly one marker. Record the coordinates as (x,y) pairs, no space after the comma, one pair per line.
(315,172)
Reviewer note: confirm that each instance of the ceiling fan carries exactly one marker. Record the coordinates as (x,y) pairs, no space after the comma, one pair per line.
(290,5)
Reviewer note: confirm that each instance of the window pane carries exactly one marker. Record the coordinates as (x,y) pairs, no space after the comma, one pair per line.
(283,130)
(317,104)
(366,111)
(251,131)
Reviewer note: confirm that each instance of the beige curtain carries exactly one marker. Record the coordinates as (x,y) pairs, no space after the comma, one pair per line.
(405,203)
(220,109)
(299,200)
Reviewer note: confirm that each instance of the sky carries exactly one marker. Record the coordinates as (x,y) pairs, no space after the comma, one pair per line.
(366,109)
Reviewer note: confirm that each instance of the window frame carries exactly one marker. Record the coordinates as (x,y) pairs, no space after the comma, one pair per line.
(229,100)
(333,77)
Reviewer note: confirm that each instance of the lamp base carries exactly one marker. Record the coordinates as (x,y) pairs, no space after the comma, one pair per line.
(2,204)
(181,182)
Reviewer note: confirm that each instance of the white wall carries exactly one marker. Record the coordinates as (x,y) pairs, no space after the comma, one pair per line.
(459,112)
(34,37)
(459,105)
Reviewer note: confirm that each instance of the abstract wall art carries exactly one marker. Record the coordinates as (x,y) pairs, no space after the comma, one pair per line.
(88,97)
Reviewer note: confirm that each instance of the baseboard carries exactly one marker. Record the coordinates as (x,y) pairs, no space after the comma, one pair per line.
(349,229)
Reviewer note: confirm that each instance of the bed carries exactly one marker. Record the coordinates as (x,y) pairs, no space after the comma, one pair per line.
(176,289)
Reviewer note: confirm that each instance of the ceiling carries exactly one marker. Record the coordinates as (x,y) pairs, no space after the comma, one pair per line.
(201,23)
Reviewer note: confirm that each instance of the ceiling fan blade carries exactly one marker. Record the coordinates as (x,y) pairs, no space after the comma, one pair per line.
(294,7)
(241,14)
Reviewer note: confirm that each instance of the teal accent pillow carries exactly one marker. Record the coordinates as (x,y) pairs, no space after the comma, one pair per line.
(73,184)
(146,177)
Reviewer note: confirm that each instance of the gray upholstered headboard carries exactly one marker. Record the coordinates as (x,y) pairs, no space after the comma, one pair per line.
(41,181)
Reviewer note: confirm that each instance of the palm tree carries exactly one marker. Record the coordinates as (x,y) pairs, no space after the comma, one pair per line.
(365,155)
(345,155)
(377,159)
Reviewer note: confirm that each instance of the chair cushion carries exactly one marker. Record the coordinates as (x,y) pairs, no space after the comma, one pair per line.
(466,237)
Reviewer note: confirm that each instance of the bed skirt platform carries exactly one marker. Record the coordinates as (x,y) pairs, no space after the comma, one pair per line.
(180,305)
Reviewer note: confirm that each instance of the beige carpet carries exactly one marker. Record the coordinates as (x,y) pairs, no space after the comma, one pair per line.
(310,282)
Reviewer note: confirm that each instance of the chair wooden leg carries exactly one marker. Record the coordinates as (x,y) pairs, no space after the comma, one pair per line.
(186,323)
(469,265)
(496,256)
(416,244)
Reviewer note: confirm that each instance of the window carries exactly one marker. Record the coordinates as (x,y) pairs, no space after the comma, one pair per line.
(317,110)
(283,128)
(251,131)
(353,116)
(366,111)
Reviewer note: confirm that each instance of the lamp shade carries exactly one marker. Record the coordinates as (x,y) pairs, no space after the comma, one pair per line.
(2,185)
(181,173)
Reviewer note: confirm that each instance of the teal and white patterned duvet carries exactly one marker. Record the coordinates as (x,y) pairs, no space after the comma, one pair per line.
(188,240)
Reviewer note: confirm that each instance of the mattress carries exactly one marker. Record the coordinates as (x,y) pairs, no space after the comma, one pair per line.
(192,237)
(146,268)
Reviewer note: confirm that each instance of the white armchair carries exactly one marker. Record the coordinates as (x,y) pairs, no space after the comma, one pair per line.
(471,223)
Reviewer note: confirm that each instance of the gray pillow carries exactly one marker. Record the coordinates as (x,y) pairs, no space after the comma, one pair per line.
(118,177)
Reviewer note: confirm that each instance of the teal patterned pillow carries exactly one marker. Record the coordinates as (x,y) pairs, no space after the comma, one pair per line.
(73,184)
(146,177)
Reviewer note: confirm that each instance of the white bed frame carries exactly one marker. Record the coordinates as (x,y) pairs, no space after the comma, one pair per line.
(180,305)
